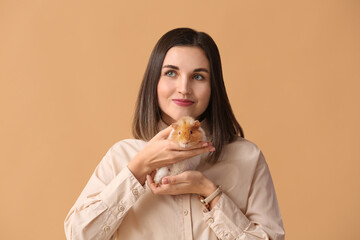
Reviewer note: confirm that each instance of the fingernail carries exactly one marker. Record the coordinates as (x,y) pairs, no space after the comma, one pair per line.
(205,145)
(165,181)
(211,149)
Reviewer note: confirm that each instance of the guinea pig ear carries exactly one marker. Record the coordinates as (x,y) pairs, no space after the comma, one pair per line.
(196,124)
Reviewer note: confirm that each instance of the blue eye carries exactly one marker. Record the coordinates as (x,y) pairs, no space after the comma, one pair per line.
(170,74)
(198,77)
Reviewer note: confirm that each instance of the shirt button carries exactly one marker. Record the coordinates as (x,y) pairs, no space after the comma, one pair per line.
(135,192)
(186,212)
(227,235)
(211,220)
(121,208)
(106,228)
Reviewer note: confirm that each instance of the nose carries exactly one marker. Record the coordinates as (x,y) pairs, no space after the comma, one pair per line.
(184,86)
(185,144)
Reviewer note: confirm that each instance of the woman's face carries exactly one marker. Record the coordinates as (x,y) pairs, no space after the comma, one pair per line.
(184,84)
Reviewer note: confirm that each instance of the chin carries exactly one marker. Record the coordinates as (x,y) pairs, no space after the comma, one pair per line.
(177,117)
(169,119)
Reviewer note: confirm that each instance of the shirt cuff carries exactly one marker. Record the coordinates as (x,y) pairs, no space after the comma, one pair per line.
(122,192)
(226,219)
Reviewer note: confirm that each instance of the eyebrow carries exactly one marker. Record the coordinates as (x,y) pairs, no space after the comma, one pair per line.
(201,70)
(177,68)
(171,66)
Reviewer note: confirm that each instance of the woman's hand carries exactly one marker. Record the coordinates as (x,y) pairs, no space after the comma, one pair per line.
(184,183)
(160,152)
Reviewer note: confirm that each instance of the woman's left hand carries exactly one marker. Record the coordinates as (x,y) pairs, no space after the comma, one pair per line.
(184,183)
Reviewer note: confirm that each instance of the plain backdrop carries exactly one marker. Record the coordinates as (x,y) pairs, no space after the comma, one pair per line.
(70,72)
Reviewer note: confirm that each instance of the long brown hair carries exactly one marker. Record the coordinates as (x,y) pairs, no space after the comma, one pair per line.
(219,116)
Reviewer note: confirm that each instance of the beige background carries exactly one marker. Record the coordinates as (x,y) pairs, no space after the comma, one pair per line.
(70,72)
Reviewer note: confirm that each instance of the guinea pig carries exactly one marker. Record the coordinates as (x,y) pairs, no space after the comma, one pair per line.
(186,133)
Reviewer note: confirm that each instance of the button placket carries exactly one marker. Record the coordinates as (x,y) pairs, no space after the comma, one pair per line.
(187,216)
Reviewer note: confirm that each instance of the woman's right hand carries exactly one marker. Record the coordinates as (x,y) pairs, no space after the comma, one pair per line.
(160,152)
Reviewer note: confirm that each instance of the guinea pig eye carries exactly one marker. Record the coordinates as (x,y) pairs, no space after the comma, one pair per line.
(179,132)
(190,132)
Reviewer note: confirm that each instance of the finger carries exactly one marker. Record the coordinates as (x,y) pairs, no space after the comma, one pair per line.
(176,179)
(194,152)
(201,144)
(152,174)
(150,183)
(163,134)
(205,143)
(151,186)
(157,189)
(182,154)
(149,180)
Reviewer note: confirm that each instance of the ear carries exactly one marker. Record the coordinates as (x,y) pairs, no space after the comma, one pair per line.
(196,124)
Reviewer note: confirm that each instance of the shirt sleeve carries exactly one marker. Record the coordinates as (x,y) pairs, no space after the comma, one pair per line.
(262,218)
(104,202)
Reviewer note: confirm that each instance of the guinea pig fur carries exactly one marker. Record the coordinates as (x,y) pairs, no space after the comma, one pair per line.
(186,133)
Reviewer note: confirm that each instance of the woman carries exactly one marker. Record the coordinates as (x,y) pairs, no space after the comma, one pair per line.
(183,78)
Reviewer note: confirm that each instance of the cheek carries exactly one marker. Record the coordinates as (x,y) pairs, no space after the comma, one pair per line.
(163,89)
(204,95)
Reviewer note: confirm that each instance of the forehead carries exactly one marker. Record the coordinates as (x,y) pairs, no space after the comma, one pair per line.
(186,57)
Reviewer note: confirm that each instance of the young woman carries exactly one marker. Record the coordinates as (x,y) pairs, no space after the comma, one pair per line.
(183,78)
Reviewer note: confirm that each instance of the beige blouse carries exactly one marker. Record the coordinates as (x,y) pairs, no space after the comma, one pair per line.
(114,205)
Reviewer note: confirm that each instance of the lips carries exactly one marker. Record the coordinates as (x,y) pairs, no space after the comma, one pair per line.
(183,102)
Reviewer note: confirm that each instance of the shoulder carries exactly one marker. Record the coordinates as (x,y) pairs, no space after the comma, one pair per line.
(245,143)
(242,146)
(128,145)
(241,152)
(118,156)
(237,165)
(123,151)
